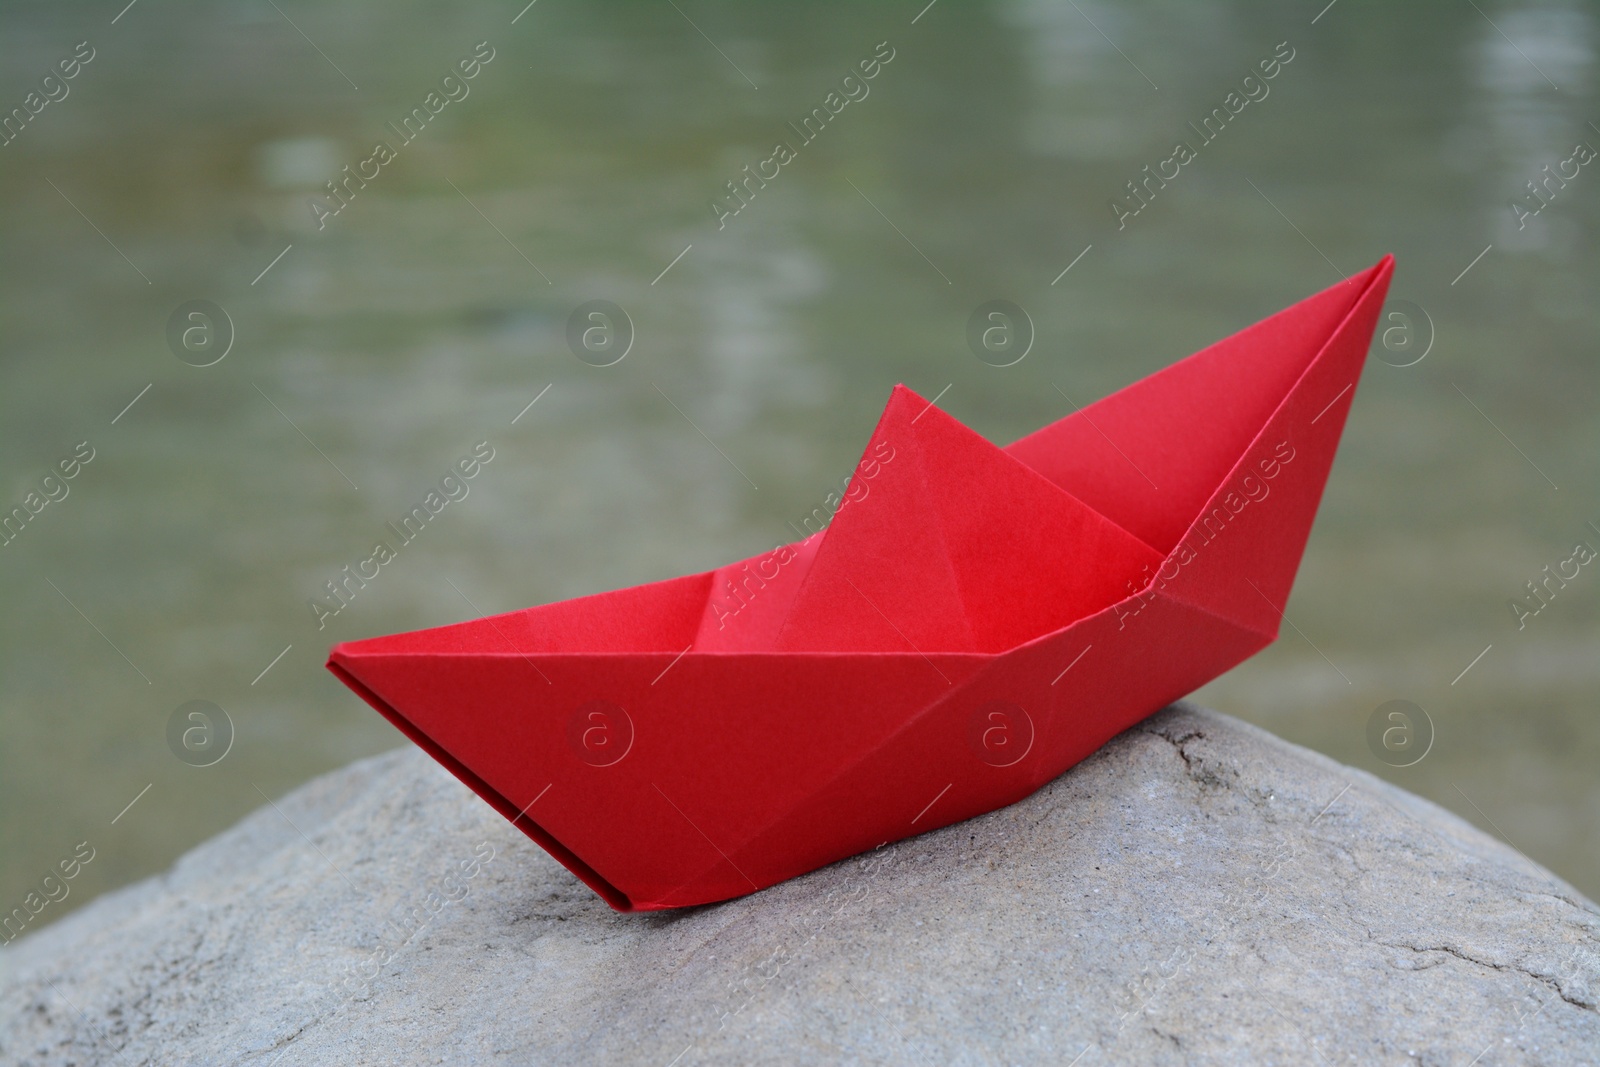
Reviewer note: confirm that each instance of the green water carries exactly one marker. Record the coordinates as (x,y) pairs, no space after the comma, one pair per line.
(978,163)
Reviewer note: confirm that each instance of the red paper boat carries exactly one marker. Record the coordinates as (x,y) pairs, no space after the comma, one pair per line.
(974,621)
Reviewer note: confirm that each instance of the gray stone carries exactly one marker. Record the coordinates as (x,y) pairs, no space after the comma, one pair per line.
(1196,892)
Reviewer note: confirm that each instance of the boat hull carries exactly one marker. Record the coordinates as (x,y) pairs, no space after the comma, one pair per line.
(667,770)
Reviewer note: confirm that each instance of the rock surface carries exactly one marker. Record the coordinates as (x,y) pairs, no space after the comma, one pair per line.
(1197,892)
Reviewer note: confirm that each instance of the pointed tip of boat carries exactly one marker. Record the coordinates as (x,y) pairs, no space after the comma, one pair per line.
(904,392)
(1381,270)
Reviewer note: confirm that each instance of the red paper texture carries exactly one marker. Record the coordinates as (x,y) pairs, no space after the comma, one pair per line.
(974,621)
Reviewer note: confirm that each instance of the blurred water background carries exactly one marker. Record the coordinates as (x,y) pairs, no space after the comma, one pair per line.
(432,309)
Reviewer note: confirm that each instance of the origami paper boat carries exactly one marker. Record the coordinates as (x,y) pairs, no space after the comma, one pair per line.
(971,625)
